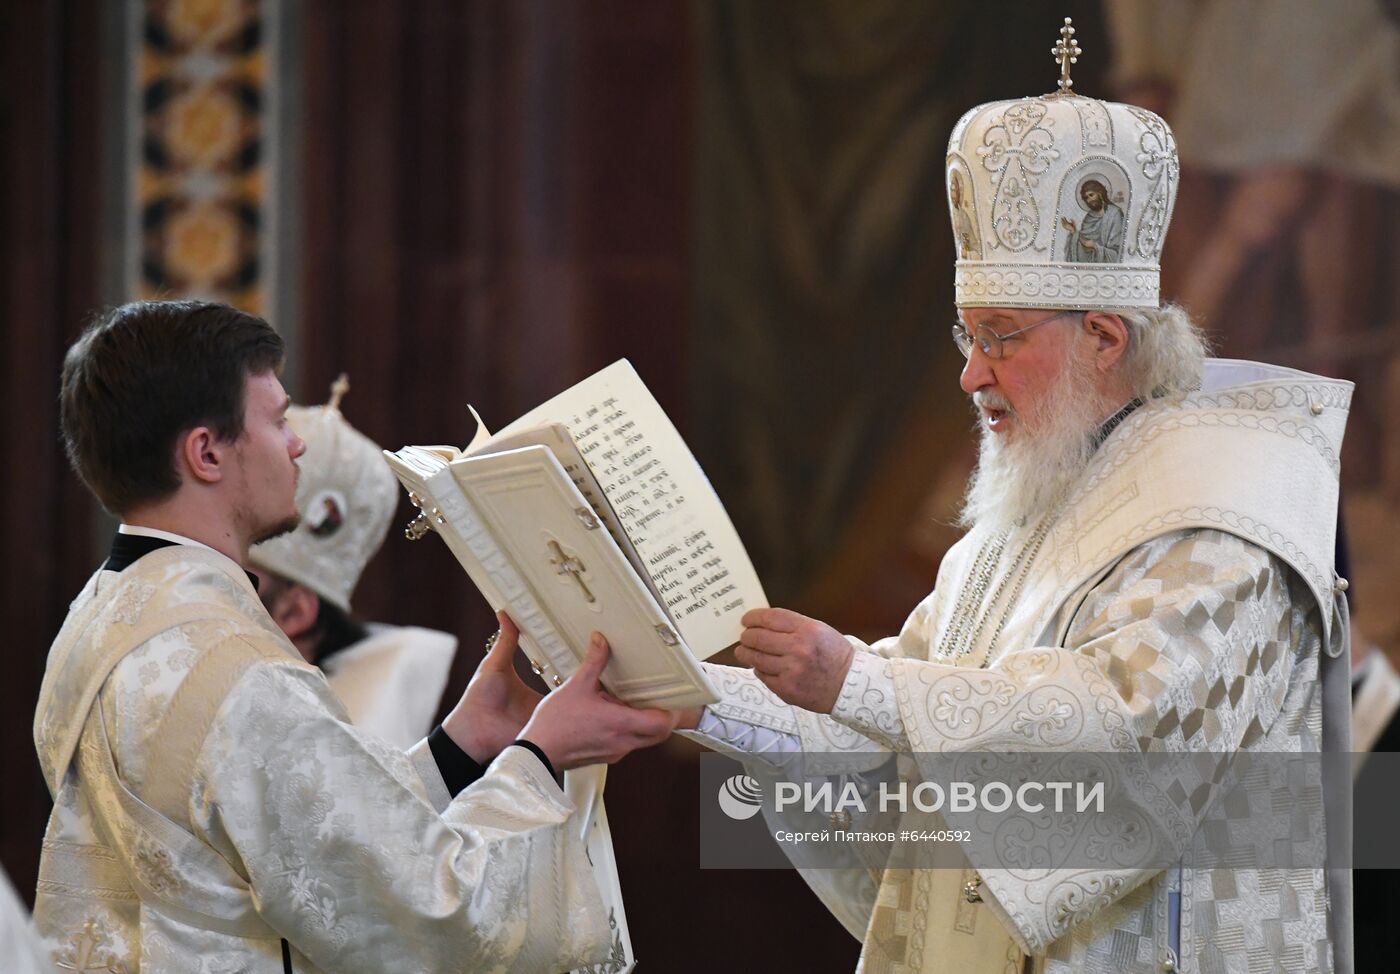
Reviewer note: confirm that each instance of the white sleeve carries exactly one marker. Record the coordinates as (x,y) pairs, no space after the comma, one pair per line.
(348,858)
(775,748)
(867,702)
(19,944)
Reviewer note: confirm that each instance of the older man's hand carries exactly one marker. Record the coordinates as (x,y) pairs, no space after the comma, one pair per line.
(802,660)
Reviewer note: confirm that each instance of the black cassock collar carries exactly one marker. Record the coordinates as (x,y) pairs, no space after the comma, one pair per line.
(127,549)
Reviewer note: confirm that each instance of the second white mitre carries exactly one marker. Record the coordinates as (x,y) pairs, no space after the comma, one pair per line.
(346,495)
(1060,201)
(392,680)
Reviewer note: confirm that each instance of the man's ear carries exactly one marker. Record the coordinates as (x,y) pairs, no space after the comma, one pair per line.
(296,610)
(1110,336)
(203,455)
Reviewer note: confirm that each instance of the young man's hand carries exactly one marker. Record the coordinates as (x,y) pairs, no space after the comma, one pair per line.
(496,704)
(580,723)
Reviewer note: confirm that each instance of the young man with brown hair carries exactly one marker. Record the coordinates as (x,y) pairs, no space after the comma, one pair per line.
(215,809)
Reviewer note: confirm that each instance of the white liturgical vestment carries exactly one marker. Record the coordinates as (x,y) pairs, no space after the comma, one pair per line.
(392,680)
(19,947)
(216,811)
(390,683)
(1182,601)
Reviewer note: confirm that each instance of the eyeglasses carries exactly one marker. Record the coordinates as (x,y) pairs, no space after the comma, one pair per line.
(989,341)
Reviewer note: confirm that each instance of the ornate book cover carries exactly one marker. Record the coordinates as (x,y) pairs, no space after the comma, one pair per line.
(587,513)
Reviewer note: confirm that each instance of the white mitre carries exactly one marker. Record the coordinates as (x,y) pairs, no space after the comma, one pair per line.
(346,495)
(1023,177)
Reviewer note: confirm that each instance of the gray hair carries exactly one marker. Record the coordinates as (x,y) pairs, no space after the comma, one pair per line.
(1166,351)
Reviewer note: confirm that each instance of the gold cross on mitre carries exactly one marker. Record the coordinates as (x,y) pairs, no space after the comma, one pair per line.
(338,390)
(1066,52)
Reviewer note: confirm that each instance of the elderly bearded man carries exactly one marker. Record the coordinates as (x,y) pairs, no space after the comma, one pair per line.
(1147,569)
(214,808)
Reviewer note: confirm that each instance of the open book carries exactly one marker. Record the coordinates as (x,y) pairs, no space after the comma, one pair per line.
(590,513)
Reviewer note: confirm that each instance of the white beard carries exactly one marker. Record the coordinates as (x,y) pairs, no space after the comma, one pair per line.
(1019,480)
